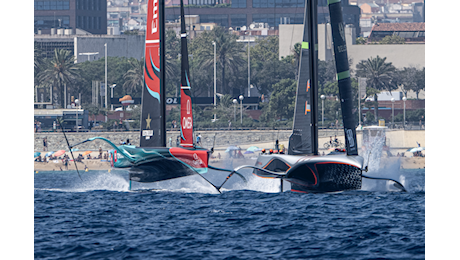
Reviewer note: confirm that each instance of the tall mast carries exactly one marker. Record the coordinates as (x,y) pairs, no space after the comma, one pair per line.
(343,75)
(185,93)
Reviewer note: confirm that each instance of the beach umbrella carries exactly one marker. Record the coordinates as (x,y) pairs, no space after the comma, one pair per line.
(48,154)
(36,154)
(416,149)
(247,152)
(232,148)
(74,149)
(254,149)
(59,153)
(86,153)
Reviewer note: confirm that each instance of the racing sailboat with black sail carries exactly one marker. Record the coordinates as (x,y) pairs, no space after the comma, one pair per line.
(302,167)
(152,161)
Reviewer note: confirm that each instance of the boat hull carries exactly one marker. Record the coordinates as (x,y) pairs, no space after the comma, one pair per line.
(159,170)
(314,173)
(154,164)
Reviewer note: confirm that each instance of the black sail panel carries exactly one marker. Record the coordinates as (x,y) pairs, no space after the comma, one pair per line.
(304,134)
(343,76)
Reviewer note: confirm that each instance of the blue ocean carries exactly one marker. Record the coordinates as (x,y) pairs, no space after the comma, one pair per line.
(99,217)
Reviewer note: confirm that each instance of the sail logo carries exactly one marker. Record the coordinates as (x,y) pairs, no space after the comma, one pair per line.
(307,108)
(342,31)
(351,141)
(197,160)
(155,16)
(187,122)
(188,107)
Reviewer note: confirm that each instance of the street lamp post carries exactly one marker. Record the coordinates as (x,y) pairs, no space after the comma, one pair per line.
(241,108)
(322,109)
(249,70)
(234,109)
(404,119)
(215,103)
(392,112)
(105,86)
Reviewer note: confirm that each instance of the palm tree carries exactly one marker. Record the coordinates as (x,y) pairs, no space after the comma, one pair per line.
(379,76)
(37,59)
(228,53)
(134,77)
(59,71)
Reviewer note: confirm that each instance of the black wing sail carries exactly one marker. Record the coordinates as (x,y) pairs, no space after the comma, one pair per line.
(305,129)
(343,76)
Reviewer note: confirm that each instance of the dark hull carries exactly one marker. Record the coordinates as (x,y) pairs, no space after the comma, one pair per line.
(329,173)
(328,177)
(160,170)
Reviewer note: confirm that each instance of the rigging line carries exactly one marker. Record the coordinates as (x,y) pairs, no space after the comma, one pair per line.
(218,189)
(68,145)
(189,53)
(292,33)
(227,170)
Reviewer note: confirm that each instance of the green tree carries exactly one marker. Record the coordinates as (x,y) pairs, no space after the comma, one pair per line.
(361,41)
(266,67)
(282,101)
(411,78)
(379,75)
(393,39)
(60,71)
(228,53)
(419,82)
(95,71)
(134,77)
(38,60)
(172,66)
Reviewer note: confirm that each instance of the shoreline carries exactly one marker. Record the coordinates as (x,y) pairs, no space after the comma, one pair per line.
(96,164)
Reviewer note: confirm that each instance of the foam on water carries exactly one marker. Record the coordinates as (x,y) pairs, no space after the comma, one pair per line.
(255,183)
(190,184)
(102,180)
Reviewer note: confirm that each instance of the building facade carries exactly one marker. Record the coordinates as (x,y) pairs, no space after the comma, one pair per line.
(88,15)
(245,12)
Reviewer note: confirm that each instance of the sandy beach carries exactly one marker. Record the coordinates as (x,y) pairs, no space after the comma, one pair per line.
(97,164)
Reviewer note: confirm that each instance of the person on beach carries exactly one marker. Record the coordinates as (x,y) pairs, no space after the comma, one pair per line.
(66,163)
(45,144)
(198,139)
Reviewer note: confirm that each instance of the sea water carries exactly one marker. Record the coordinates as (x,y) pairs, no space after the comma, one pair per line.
(98,217)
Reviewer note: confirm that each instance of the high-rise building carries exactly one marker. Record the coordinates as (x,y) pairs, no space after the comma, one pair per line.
(88,15)
(273,12)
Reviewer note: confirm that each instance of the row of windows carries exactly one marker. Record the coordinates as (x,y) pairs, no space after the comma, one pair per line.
(241,19)
(382,34)
(52,5)
(48,22)
(238,3)
(89,22)
(219,19)
(90,5)
(273,3)
(278,3)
